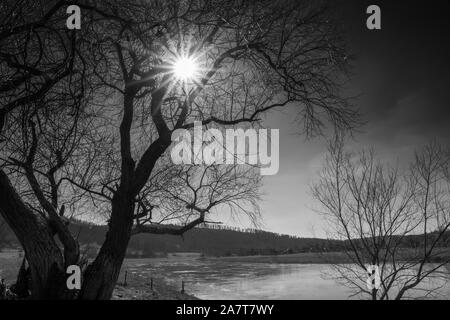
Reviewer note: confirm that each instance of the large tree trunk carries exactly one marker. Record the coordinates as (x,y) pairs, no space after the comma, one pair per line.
(45,261)
(101,276)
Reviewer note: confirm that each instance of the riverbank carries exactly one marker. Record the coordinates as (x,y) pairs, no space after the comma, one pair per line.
(143,289)
(297,258)
(143,286)
(136,288)
(442,255)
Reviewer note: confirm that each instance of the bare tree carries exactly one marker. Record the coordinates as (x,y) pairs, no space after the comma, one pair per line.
(36,54)
(253,58)
(396,222)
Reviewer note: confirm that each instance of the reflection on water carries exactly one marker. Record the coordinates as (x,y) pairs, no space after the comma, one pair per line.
(214,279)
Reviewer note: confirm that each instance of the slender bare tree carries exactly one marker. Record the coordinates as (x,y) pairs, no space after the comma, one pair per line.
(396,222)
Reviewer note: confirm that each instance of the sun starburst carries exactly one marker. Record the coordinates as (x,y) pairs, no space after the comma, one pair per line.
(185,68)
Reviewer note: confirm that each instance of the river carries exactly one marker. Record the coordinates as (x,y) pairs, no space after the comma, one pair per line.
(216,279)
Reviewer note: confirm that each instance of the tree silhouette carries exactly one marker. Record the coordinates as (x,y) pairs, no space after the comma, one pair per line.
(377,211)
(88,117)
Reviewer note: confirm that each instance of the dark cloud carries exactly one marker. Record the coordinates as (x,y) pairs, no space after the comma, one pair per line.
(402,77)
(406,62)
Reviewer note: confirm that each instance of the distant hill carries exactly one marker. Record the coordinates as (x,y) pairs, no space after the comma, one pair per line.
(224,241)
(7,238)
(209,239)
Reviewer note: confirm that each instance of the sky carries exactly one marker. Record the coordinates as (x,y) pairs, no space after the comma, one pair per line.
(401,76)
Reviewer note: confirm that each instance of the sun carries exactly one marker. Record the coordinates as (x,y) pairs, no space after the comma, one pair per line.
(185,68)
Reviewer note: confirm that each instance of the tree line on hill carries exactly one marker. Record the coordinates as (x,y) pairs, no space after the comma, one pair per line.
(212,240)
(208,239)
